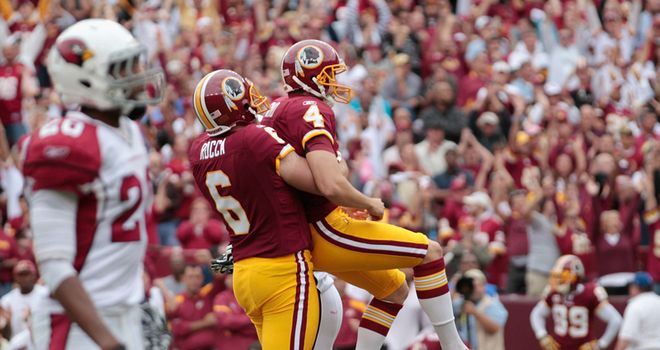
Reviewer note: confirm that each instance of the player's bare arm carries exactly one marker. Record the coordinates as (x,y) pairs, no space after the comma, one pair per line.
(54,236)
(81,310)
(334,186)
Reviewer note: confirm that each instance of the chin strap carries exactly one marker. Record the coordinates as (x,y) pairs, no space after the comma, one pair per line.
(308,89)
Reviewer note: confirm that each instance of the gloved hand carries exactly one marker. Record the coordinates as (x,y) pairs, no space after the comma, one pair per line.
(224,263)
(548,343)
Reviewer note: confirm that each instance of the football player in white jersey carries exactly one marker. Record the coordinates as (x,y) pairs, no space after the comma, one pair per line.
(88,190)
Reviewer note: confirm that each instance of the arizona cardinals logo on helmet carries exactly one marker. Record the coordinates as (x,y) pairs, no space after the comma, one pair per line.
(74,51)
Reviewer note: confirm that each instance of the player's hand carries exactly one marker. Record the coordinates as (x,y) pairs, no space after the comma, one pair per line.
(224,263)
(548,343)
(357,214)
(376,208)
(592,345)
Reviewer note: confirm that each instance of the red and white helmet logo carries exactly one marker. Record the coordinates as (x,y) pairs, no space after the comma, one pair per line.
(74,51)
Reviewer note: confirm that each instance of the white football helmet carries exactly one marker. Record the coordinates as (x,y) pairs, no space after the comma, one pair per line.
(98,63)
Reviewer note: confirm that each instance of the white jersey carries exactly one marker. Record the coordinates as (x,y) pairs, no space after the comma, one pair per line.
(106,168)
(21,305)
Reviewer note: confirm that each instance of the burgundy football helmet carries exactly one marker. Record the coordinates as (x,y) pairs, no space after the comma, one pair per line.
(312,66)
(567,273)
(224,99)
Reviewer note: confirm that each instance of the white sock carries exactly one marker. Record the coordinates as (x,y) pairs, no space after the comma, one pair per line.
(440,311)
(369,340)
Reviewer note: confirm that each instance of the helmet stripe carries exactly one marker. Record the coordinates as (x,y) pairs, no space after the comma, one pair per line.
(198,103)
(203,100)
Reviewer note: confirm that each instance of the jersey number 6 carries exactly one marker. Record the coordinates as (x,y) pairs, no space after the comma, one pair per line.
(228,206)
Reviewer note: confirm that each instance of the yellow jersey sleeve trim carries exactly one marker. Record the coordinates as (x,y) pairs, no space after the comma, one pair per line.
(283,153)
(316,132)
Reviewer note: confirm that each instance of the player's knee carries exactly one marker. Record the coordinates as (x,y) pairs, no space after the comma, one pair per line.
(399,295)
(433,253)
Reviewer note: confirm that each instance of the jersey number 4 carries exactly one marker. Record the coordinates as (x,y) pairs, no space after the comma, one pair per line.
(228,206)
(313,115)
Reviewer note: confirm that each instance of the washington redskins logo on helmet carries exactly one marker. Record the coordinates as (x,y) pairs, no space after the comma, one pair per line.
(312,66)
(233,88)
(224,99)
(74,51)
(567,273)
(309,57)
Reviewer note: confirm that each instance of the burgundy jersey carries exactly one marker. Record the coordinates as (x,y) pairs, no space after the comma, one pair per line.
(307,124)
(652,218)
(238,175)
(574,313)
(10,93)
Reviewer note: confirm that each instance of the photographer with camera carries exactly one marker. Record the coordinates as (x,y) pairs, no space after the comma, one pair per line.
(480,317)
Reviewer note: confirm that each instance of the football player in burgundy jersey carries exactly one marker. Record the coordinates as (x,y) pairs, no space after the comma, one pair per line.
(573,305)
(244,170)
(88,190)
(364,253)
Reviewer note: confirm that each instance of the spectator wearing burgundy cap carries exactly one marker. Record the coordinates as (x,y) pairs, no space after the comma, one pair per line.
(23,299)
(200,231)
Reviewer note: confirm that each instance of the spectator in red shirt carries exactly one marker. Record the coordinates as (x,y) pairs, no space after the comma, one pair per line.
(237,330)
(201,232)
(193,322)
(474,80)
(8,258)
(179,165)
(617,247)
(16,83)
(353,309)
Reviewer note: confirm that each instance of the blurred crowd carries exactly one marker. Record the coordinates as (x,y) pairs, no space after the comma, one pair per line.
(511,131)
